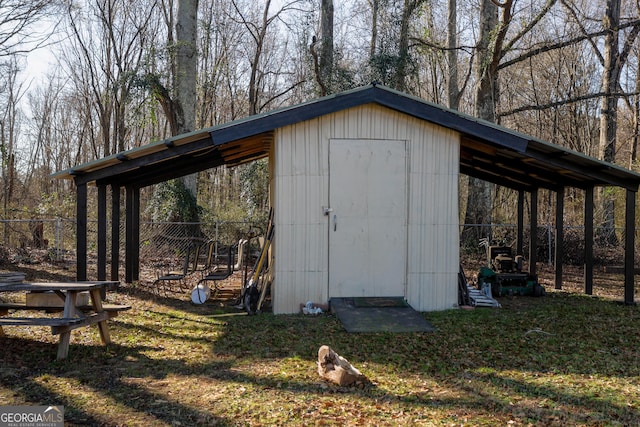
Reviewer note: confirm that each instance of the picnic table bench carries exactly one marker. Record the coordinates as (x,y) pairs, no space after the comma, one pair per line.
(73,315)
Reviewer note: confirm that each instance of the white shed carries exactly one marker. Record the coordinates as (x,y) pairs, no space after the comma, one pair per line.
(364,186)
(366,205)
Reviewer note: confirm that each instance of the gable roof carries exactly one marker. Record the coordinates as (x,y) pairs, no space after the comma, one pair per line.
(488,151)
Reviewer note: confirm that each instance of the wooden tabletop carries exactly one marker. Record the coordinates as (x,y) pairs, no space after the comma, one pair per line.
(53,286)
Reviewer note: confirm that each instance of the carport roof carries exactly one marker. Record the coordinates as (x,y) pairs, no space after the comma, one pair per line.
(488,151)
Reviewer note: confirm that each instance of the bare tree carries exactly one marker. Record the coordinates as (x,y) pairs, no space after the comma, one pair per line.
(495,21)
(108,50)
(219,75)
(258,33)
(614,60)
(404,57)
(186,65)
(185,77)
(373,44)
(264,85)
(323,62)
(20,29)
(453,90)
(11,91)
(635,139)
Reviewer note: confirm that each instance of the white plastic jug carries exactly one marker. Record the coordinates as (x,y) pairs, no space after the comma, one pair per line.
(200,294)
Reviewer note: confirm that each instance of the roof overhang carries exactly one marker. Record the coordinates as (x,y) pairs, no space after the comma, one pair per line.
(487,151)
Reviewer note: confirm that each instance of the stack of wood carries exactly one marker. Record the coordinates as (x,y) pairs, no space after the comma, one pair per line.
(9,277)
(337,369)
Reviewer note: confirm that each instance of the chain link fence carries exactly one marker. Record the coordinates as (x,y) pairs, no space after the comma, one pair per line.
(56,239)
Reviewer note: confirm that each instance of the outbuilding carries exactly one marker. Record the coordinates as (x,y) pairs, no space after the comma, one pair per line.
(364,186)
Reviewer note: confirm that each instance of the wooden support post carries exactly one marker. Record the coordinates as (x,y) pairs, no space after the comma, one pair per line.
(129,229)
(533,238)
(102,232)
(81,232)
(136,235)
(520,231)
(588,241)
(559,252)
(629,247)
(132,245)
(115,232)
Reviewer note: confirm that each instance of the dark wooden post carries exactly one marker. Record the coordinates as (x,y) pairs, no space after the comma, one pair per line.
(533,238)
(136,235)
(132,245)
(115,232)
(81,237)
(559,252)
(629,247)
(128,251)
(588,241)
(102,232)
(520,230)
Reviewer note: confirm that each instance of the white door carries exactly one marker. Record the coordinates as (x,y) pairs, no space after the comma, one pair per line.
(368,221)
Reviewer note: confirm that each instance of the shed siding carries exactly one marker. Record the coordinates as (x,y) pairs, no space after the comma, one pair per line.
(300,182)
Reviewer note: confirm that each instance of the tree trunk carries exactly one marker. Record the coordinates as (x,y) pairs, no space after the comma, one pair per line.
(453,90)
(400,78)
(326,45)
(487,86)
(636,121)
(259,36)
(185,77)
(609,111)
(613,62)
(479,194)
(186,65)
(373,45)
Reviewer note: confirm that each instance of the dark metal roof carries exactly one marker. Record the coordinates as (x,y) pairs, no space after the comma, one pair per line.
(490,152)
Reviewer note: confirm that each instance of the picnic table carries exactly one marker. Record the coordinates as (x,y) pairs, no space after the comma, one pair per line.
(73,315)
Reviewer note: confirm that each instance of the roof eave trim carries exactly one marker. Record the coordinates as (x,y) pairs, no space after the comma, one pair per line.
(451,119)
(289,116)
(371,94)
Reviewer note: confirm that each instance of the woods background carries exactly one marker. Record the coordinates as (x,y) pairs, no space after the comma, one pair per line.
(125,73)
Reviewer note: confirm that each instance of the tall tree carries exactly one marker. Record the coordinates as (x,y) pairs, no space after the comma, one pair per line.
(453,90)
(177,97)
(614,59)
(373,43)
(11,91)
(635,132)
(323,61)
(267,51)
(186,65)
(108,39)
(495,21)
(488,51)
(404,57)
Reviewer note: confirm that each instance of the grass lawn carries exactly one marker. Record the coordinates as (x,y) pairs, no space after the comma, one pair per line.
(564,359)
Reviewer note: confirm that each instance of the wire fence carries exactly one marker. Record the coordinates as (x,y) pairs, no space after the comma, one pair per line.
(608,246)
(158,240)
(56,237)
